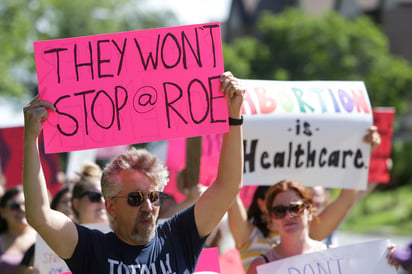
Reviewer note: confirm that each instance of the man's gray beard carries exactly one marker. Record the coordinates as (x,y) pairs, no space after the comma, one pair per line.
(144,236)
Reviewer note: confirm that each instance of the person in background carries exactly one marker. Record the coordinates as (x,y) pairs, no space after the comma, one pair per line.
(291,209)
(321,199)
(89,170)
(60,202)
(16,235)
(132,185)
(401,258)
(252,232)
(87,199)
(170,207)
(85,211)
(87,202)
(83,203)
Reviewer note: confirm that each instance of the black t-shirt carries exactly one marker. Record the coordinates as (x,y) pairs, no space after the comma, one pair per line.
(174,249)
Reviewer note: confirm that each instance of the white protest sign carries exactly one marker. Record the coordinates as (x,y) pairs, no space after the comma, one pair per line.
(309,131)
(363,258)
(47,262)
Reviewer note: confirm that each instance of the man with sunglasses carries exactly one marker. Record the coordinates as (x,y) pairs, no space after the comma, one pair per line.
(132,187)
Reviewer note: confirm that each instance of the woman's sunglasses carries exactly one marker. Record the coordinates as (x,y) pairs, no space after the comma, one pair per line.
(137,198)
(294,209)
(13,205)
(94,196)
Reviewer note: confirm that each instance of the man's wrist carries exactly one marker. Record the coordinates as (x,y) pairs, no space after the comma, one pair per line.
(235,122)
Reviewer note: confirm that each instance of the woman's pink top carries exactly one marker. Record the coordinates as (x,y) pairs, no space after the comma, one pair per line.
(9,263)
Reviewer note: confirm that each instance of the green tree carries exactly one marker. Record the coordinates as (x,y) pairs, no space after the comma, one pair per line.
(24,21)
(296,46)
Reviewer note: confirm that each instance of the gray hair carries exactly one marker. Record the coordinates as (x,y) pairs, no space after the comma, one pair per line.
(133,159)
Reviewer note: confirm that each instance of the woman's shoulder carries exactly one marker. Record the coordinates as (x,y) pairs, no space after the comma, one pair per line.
(259,260)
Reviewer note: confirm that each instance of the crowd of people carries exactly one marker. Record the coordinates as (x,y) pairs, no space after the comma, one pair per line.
(152,233)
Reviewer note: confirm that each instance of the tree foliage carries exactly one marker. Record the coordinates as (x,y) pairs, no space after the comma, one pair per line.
(296,46)
(24,21)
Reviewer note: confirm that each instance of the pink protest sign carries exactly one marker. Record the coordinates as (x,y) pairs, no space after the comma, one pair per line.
(131,87)
(208,261)
(209,161)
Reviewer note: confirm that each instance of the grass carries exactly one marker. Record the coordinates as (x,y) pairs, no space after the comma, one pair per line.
(382,212)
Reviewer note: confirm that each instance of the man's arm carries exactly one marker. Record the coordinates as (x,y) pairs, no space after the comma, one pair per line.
(214,203)
(54,227)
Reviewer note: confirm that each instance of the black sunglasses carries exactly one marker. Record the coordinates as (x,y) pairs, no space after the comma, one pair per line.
(294,209)
(15,205)
(137,198)
(94,196)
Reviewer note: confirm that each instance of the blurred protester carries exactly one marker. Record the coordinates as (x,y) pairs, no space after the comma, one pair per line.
(87,202)
(321,199)
(192,193)
(90,170)
(401,257)
(83,204)
(16,235)
(60,202)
